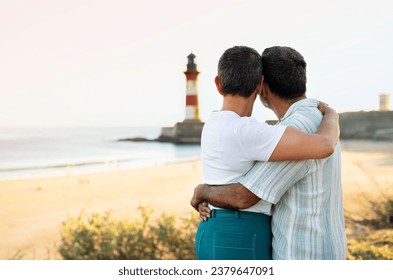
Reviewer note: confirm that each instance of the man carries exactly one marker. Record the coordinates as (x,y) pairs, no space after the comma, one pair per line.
(307,217)
(231,143)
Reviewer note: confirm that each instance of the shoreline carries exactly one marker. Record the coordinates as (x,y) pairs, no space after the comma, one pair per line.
(87,168)
(32,210)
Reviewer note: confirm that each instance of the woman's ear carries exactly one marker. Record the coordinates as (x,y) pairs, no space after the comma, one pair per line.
(218,84)
(260,86)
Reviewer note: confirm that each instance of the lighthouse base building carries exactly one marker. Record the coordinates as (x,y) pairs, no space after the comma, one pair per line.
(186,132)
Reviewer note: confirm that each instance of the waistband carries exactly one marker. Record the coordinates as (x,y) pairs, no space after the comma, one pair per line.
(239,215)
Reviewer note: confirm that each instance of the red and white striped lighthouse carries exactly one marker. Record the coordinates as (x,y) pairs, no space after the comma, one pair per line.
(188,131)
(192,106)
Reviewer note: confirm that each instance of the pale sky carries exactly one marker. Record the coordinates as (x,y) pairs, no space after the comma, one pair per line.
(120,63)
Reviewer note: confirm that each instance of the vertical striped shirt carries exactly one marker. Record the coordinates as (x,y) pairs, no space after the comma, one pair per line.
(308,215)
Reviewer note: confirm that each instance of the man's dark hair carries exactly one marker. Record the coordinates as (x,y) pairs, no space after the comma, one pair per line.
(284,70)
(240,70)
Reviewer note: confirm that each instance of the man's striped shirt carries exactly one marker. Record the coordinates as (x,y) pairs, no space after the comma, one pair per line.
(308,215)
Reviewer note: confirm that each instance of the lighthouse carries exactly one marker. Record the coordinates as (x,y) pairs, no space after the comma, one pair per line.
(188,131)
(192,104)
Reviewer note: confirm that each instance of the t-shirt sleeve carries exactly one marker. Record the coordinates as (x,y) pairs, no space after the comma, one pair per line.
(258,140)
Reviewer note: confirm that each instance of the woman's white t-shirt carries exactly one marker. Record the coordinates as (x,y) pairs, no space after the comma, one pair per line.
(231,144)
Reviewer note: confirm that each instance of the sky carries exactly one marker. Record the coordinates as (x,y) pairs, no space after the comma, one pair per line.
(108,63)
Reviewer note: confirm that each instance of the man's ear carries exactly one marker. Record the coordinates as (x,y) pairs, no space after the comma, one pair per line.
(218,84)
(265,89)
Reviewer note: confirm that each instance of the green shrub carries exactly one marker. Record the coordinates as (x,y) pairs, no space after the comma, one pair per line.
(371,245)
(101,237)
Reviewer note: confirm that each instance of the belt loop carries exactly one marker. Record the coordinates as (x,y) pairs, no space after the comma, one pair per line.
(237,214)
(213,213)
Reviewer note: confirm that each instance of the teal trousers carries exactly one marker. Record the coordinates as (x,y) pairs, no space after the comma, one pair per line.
(234,235)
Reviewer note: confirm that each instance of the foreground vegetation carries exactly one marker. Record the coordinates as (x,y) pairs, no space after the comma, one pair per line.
(371,237)
(102,237)
(371,245)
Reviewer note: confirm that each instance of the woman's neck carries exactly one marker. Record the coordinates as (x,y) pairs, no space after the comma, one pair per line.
(240,105)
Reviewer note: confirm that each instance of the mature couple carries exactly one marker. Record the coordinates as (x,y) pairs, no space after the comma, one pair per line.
(270,191)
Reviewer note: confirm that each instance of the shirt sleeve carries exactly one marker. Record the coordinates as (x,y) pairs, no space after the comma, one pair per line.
(270,180)
(258,140)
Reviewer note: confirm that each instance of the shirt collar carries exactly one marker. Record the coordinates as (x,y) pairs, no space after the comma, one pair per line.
(303,103)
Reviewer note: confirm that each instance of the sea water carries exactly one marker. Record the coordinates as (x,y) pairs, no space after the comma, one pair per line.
(37,152)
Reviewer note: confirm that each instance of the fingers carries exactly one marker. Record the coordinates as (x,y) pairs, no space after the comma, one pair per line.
(323,107)
(204,211)
(322,104)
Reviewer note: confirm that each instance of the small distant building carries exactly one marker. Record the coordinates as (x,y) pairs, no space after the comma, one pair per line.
(189,131)
(384,102)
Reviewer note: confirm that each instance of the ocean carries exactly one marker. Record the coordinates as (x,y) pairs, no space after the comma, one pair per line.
(41,152)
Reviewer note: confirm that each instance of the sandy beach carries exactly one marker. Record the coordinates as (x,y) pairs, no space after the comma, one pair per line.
(32,210)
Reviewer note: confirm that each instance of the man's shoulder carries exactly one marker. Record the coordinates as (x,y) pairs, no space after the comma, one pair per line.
(306,119)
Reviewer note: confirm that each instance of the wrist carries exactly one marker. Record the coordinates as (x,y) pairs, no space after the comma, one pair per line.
(201,192)
(206,192)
